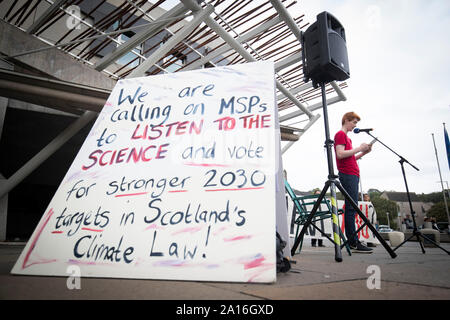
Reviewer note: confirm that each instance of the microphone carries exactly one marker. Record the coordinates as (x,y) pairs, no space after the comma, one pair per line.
(358,130)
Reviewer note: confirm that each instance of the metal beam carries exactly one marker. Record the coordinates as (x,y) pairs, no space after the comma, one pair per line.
(140,37)
(113,33)
(226,47)
(211,23)
(287,146)
(199,17)
(44,16)
(3,102)
(46,152)
(57,94)
(339,91)
(165,28)
(282,11)
(290,96)
(296,90)
(296,57)
(311,108)
(308,125)
(3,212)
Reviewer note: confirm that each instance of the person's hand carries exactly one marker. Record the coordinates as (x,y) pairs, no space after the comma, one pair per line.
(364,147)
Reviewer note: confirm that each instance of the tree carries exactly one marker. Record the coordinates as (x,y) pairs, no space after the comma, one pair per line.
(438,211)
(434,197)
(372,190)
(382,206)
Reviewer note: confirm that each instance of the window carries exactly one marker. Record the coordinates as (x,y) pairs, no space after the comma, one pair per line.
(129,56)
(177,62)
(174,61)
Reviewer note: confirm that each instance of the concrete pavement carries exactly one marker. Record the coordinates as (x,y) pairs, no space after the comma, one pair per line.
(412,275)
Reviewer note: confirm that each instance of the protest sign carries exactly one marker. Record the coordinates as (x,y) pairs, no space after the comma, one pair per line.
(179,178)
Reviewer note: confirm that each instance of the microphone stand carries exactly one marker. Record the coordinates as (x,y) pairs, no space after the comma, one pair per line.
(416,233)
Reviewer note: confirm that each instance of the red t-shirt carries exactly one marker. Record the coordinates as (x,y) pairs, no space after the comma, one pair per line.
(346,165)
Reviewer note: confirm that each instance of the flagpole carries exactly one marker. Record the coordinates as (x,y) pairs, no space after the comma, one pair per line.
(447,144)
(442,184)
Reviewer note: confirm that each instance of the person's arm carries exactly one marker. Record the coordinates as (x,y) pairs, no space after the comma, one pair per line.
(341,153)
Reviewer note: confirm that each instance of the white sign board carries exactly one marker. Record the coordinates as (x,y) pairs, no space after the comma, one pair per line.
(365,234)
(177,179)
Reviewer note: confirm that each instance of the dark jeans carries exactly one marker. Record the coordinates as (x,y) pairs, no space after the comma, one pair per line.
(350,184)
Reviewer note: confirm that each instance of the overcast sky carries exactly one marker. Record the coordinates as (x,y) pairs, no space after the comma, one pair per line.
(399,85)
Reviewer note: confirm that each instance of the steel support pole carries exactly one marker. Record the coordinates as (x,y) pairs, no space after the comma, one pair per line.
(3,199)
(140,37)
(338,90)
(287,146)
(282,11)
(226,47)
(311,108)
(46,152)
(3,212)
(296,90)
(44,16)
(440,176)
(211,23)
(290,96)
(308,125)
(286,62)
(199,17)
(284,14)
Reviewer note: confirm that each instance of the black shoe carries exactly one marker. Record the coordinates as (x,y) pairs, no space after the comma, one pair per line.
(360,248)
(313,244)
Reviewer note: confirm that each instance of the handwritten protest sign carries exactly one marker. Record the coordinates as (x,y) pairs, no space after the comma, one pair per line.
(177,179)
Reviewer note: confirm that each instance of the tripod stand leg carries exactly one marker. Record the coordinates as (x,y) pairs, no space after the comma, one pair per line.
(310,218)
(432,241)
(412,236)
(335,224)
(364,218)
(335,221)
(418,234)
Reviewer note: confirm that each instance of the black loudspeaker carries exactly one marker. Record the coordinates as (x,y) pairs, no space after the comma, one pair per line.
(325,51)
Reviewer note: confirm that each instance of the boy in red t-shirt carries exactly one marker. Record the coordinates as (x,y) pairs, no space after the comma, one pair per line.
(346,157)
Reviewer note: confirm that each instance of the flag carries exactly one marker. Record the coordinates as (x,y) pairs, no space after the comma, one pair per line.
(447,145)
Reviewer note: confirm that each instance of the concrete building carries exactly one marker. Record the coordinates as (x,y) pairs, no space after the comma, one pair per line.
(401,198)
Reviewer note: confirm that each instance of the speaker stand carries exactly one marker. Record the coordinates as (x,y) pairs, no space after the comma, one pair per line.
(331,184)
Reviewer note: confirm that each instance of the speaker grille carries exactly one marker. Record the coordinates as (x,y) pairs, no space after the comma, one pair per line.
(338,52)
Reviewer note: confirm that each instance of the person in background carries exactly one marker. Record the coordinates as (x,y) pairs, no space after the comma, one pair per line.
(348,168)
(366,198)
(408,222)
(319,240)
(434,224)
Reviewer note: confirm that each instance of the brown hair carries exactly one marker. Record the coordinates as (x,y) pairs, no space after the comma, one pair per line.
(350,116)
